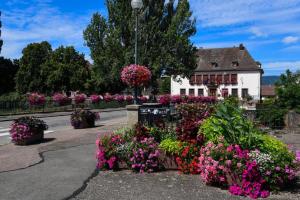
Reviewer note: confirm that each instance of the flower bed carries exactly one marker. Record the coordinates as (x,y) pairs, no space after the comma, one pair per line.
(61,99)
(216,142)
(27,130)
(36,99)
(81,119)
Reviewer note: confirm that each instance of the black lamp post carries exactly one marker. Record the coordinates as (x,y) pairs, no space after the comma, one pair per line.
(136,5)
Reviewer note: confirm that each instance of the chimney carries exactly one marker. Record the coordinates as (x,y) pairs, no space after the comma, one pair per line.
(241,47)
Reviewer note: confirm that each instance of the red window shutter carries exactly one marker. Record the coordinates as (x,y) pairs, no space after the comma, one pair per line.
(233,78)
(205,79)
(198,79)
(226,79)
(212,78)
(219,79)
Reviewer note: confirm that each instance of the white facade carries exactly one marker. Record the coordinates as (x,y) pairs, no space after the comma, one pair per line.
(247,81)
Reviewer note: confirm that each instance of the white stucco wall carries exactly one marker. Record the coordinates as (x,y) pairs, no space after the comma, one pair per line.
(249,80)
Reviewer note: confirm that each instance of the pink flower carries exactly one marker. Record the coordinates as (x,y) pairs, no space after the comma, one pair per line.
(228,162)
(239,165)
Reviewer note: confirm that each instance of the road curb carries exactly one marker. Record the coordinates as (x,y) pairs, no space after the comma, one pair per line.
(56,115)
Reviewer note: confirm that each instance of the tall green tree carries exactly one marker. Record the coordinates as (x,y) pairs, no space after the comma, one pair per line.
(29,77)
(164,40)
(8,70)
(288,90)
(65,70)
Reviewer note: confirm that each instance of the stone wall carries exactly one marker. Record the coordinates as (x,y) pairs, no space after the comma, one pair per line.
(292,120)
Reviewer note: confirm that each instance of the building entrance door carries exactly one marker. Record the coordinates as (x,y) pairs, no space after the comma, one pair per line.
(213,92)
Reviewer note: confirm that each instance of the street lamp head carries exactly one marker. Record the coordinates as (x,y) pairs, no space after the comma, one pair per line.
(137,4)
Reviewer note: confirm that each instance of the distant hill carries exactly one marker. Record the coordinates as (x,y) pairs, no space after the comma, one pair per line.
(269,80)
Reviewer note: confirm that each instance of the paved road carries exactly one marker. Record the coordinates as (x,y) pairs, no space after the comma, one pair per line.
(61,174)
(61,123)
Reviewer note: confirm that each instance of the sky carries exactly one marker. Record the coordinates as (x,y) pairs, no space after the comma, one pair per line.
(270,29)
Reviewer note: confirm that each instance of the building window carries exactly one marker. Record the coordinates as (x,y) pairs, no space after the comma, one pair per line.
(200,92)
(226,78)
(192,92)
(235,64)
(205,79)
(198,79)
(233,78)
(212,78)
(234,92)
(214,64)
(245,92)
(192,79)
(182,92)
(224,92)
(219,79)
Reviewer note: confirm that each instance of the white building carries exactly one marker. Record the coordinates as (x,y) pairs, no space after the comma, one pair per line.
(222,72)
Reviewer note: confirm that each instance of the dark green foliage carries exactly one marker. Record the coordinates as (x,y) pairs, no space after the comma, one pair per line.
(288,90)
(29,77)
(165,86)
(33,123)
(66,70)
(271,115)
(46,71)
(164,32)
(8,70)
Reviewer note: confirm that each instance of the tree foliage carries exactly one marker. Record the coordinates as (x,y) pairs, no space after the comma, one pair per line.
(66,70)
(288,90)
(29,76)
(8,70)
(46,71)
(164,40)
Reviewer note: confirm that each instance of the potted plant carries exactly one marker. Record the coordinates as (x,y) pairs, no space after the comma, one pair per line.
(81,119)
(27,130)
(61,99)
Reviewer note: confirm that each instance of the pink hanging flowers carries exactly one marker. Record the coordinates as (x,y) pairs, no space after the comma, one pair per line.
(135,75)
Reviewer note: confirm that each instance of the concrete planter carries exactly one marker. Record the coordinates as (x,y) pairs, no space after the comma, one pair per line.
(38,136)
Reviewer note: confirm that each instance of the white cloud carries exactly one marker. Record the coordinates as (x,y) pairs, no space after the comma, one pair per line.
(259,17)
(290,39)
(39,22)
(275,68)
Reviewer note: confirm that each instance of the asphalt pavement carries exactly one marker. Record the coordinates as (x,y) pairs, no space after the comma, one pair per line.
(61,122)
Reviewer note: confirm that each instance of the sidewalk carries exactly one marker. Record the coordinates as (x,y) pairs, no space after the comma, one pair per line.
(53,114)
(52,170)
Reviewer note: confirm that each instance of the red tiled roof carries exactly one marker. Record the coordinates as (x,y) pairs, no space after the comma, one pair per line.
(223,59)
(268,90)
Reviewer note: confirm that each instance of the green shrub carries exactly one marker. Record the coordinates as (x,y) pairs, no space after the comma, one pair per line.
(271,114)
(170,146)
(276,148)
(228,121)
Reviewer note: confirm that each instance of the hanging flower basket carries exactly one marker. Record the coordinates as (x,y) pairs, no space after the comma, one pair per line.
(135,75)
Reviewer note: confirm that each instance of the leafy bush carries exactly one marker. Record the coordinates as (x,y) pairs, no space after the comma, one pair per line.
(170,146)
(228,121)
(192,116)
(271,114)
(279,151)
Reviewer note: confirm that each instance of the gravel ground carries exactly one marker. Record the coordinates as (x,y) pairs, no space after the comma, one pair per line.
(127,185)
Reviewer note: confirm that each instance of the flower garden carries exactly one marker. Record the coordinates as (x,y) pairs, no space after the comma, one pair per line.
(213,141)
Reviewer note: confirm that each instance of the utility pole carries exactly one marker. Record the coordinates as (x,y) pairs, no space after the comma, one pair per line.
(1,41)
